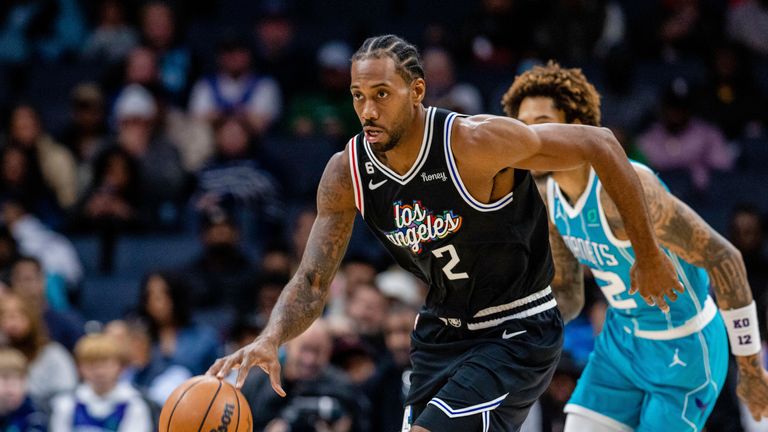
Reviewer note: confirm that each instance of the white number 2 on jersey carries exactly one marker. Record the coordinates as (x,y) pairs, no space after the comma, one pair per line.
(449,266)
(613,287)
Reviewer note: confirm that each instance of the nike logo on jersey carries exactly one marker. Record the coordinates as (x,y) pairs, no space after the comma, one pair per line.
(374,186)
(506,335)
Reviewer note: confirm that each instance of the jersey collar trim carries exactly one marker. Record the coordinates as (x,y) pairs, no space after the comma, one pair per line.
(574,211)
(420,159)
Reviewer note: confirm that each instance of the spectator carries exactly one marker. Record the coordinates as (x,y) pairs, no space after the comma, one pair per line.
(159,32)
(443,90)
(687,28)
(28,280)
(729,96)
(113,38)
(56,162)
(306,378)
(162,178)
(54,251)
(237,90)
(225,275)
(747,23)
(679,140)
(367,308)
(389,388)
(51,368)
(101,403)
(572,30)
(278,51)
(41,29)
(746,232)
(302,225)
(18,413)
(20,179)
(175,338)
(234,180)
(86,134)
(153,376)
(9,252)
(270,287)
(325,109)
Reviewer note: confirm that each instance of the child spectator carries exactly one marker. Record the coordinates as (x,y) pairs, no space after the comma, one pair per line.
(17,411)
(101,402)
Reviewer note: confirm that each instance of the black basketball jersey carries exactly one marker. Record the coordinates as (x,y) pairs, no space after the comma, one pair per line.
(473,256)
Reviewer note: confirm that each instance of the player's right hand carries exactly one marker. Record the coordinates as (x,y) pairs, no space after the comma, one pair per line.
(654,277)
(262,352)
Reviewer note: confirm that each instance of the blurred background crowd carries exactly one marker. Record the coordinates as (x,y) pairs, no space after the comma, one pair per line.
(159,159)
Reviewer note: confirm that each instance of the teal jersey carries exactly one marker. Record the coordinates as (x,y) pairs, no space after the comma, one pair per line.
(585,230)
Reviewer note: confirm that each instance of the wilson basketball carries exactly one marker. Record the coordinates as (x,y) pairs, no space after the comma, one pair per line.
(206,404)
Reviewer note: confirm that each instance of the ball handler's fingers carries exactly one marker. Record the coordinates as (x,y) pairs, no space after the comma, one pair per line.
(229,363)
(243,368)
(273,369)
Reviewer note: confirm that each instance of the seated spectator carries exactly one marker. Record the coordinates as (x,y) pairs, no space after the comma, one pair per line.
(746,231)
(747,23)
(47,295)
(367,308)
(270,287)
(160,33)
(51,368)
(9,252)
(101,403)
(235,180)
(388,389)
(54,251)
(113,38)
(20,177)
(111,205)
(679,140)
(155,377)
(162,178)
(86,133)
(46,30)
(57,165)
(223,274)
(444,91)
(237,90)
(165,306)
(306,378)
(18,413)
(325,109)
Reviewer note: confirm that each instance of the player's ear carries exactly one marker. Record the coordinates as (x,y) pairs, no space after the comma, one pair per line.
(418,89)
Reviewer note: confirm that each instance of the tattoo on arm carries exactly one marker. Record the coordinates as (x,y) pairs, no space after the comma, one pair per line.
(304,297)
(686,234)
(568,284)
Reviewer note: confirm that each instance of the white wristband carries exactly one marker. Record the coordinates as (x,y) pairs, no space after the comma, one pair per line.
(742,327)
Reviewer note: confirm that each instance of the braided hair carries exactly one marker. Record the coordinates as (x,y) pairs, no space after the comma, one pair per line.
(405,55)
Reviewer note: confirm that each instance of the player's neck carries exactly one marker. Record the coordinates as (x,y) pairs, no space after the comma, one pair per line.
(573,182)
(402,157)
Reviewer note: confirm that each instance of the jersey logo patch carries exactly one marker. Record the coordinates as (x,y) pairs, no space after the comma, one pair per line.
(416,225)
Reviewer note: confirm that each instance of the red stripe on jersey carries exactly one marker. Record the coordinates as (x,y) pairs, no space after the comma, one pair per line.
(356,181)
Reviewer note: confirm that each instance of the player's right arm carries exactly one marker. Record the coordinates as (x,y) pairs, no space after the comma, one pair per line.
(684,232)
(303,299)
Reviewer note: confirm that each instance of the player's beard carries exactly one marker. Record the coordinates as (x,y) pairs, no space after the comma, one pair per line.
(395,134)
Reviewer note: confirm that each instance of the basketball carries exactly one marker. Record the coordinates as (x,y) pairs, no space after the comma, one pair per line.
(205,403)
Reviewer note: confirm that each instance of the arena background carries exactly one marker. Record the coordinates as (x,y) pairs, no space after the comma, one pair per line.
(180,143)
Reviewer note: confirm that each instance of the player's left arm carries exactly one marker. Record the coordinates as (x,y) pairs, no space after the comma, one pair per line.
(491,143)
(684,232)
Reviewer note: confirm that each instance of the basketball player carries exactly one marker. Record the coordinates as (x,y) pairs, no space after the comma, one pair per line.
(650,370)
(451,198)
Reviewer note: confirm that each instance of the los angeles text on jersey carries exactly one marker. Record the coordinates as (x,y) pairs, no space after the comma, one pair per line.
(415,225)
(596,253)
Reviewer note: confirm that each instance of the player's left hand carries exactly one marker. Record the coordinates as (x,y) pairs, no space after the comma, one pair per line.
(655,277)
(753,390)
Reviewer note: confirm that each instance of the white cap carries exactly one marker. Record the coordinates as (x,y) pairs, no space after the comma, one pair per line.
(135,101)
(400,285)
(334,55)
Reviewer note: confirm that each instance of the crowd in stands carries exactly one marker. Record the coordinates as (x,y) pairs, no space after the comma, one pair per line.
(159,160)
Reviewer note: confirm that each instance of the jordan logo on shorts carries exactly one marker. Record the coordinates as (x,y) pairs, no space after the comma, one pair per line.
(676,359)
